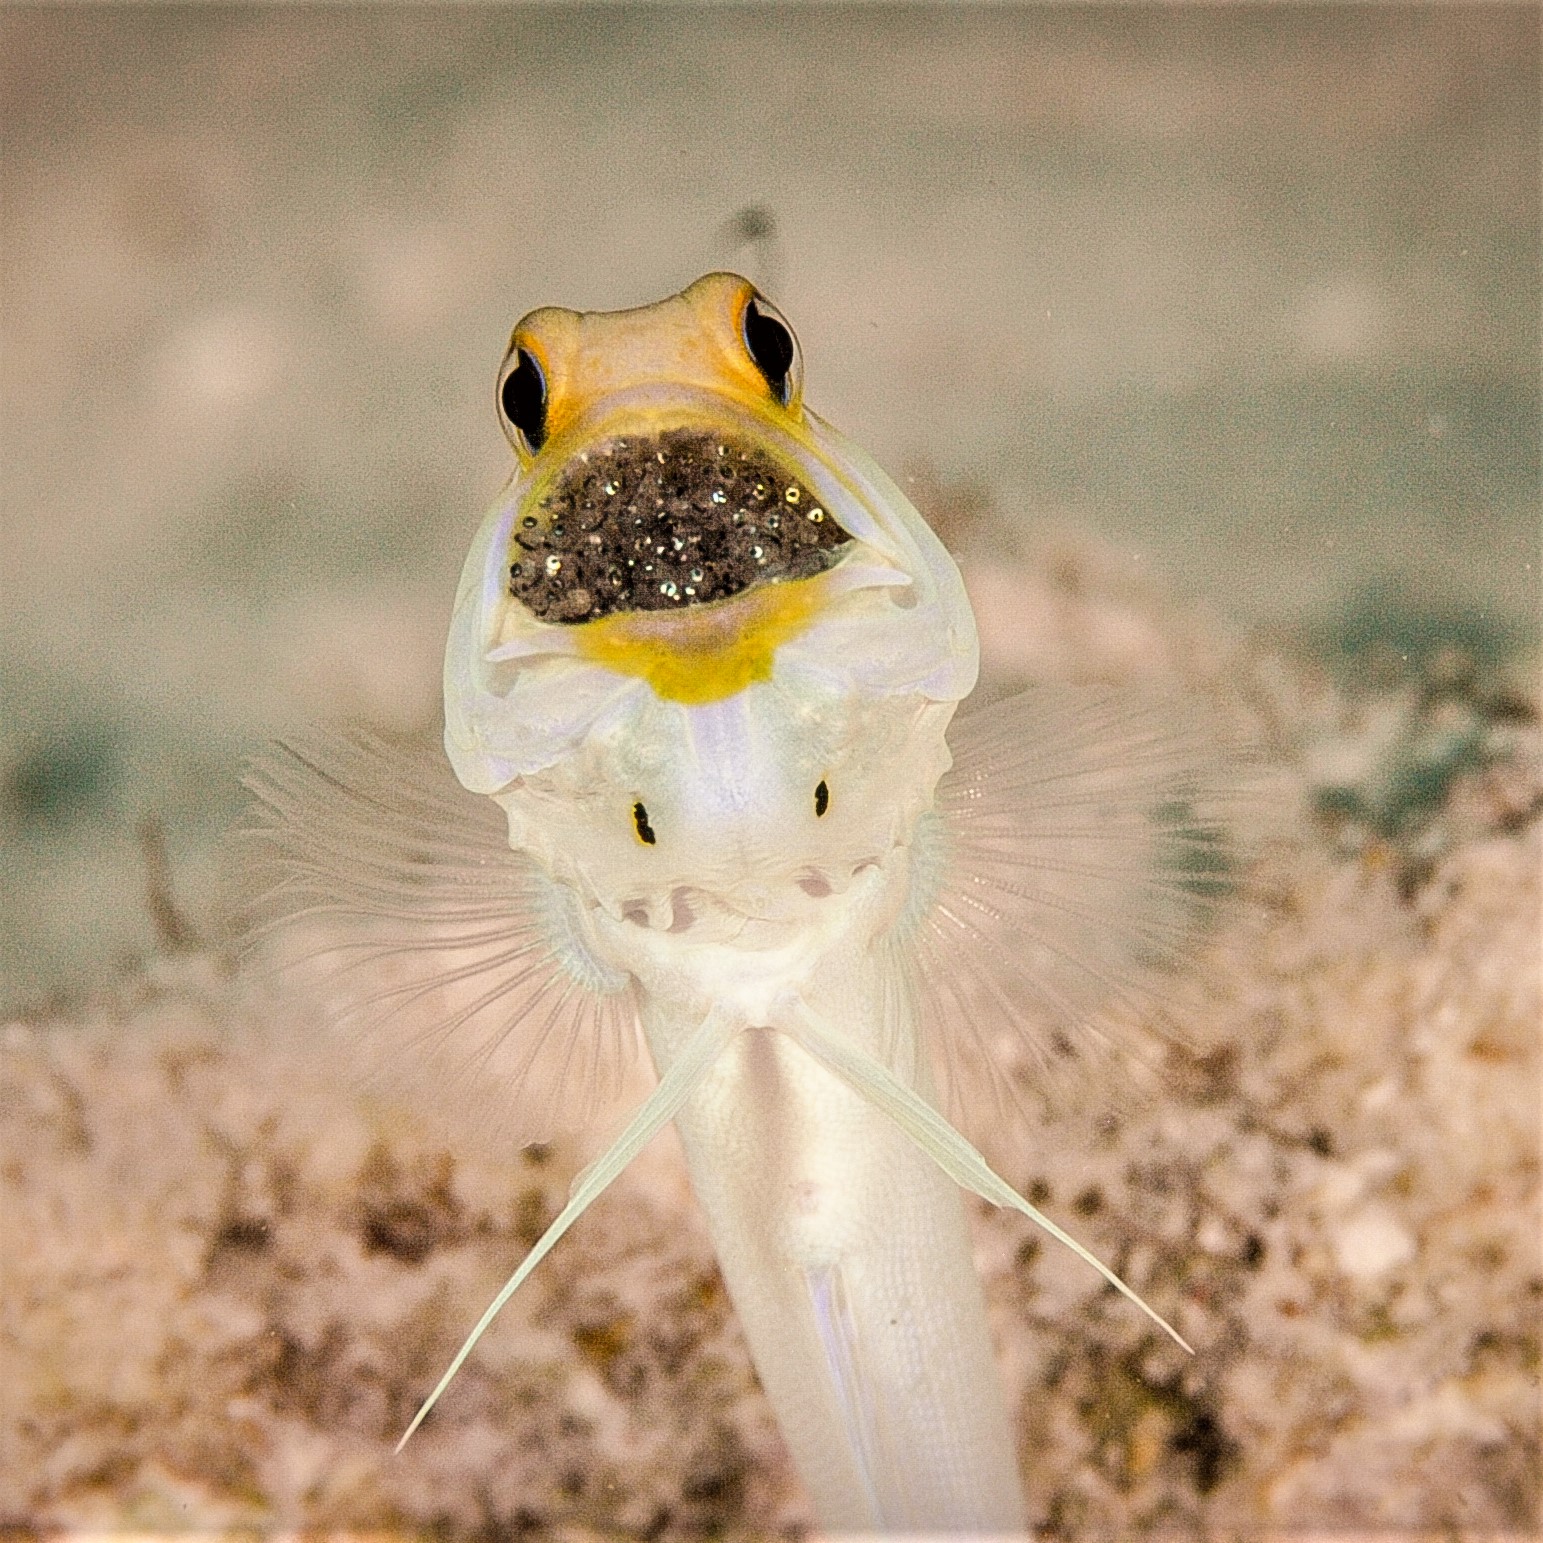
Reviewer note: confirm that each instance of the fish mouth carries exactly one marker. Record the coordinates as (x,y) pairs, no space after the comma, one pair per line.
(665,520)
(755,914)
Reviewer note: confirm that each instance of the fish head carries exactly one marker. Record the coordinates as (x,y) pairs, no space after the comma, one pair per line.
(694,605)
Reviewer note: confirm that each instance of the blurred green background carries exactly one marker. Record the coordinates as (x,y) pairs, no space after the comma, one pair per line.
(1252,293)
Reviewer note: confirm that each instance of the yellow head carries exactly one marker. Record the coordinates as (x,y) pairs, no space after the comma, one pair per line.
(699,635)
(665,520)
(655,445)
(571,378)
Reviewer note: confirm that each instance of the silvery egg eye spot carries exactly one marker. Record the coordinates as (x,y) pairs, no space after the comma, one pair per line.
(662,522)
(641,826)
(522,395)
(821,798)
(770,344)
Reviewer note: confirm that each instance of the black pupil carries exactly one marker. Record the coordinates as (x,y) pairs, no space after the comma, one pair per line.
(821,798)
(524,399)
(771,346)
(640,821)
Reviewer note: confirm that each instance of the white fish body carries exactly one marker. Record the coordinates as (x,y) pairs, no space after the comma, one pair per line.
(724,817)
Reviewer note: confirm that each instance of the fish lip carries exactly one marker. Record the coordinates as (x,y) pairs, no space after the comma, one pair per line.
(650,407)
(782,901)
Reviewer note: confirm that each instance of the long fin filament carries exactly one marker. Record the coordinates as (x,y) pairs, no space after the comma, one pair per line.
(945,1146)
(660,1107)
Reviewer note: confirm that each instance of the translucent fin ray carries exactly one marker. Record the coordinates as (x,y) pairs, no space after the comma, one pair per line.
(945,1146)
(1079,853)
(453,965)
(688,1069)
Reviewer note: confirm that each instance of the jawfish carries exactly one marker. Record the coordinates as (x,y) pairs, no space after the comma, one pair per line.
(703,673)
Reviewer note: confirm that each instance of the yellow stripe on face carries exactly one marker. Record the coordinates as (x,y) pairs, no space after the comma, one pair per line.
(707,652)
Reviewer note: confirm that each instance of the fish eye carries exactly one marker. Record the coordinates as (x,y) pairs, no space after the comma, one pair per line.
(821,798)
(522,396)
(772,347)
(641,826)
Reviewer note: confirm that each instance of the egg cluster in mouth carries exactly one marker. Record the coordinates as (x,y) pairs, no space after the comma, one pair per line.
(659,522)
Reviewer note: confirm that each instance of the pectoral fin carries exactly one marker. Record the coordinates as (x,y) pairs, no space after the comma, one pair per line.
(455,969)
(1082,849)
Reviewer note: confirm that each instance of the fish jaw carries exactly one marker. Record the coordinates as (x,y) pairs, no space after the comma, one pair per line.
(746,959)
(887,615)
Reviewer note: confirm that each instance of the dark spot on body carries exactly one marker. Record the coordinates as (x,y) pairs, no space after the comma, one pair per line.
(640,824)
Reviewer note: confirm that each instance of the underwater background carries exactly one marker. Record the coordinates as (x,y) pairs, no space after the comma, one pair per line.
(1251,294)
(1208,338)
